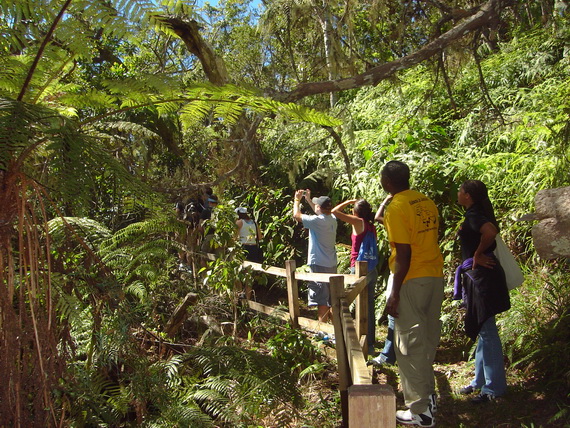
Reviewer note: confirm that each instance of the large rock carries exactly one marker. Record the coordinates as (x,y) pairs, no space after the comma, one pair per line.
(551,235)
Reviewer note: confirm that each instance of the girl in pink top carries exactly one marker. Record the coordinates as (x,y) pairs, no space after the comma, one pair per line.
(362,221)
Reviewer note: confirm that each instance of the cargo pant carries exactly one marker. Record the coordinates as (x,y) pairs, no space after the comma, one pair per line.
(416,336)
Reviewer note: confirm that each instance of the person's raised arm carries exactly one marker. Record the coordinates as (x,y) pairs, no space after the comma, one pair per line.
(356,222)
(348,218)
(379,217)
(296,205)
(488,233)
(307,195)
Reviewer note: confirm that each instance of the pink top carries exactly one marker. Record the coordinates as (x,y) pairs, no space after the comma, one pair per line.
(357,241)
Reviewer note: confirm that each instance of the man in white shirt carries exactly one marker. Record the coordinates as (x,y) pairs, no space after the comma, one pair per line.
(322,253)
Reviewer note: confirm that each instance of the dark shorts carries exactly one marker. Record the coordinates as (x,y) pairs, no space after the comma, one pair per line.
(253,253)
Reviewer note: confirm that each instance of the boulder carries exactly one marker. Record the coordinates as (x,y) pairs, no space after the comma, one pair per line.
(551,235)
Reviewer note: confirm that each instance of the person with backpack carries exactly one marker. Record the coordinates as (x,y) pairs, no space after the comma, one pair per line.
(364,248)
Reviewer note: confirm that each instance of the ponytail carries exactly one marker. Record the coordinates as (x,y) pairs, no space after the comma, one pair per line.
(363,209)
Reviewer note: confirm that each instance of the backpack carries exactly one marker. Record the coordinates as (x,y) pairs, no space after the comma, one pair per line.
(368,251)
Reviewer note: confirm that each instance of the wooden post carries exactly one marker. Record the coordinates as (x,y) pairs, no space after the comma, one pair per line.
(361,307)
(371,406)
(337,293)
(179,315)
(292,292)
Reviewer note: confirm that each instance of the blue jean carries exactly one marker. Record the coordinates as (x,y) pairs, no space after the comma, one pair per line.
(489,364)
(388,352)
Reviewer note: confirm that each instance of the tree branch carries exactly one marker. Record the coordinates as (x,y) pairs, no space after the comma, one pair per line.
(482,17)
(188,31)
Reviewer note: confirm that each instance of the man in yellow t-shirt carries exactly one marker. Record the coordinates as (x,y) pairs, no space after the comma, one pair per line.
(416,264)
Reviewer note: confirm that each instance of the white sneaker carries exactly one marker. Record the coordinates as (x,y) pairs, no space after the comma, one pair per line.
(378,361)
(433,402)
(424,419)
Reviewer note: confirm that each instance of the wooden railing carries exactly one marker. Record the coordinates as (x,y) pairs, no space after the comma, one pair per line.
(364,404)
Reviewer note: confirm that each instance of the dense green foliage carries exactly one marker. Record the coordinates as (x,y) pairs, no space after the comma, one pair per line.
(108,115)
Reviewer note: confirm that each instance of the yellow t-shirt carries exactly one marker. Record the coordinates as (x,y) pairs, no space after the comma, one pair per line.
(412,218)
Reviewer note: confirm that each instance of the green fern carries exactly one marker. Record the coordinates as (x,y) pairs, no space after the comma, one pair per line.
(241,379)
(91,231)
(183,415)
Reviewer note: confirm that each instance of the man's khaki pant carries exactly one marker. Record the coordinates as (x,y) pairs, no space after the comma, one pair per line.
(416,336)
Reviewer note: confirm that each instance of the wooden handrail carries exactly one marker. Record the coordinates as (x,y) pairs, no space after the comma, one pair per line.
(363,403)
(303,276)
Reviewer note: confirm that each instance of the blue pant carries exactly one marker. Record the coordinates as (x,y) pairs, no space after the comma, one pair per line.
(388,352)
(489,364)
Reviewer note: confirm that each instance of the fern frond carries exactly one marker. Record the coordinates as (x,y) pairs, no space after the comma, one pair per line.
(255,377)
(144,90)
(131,128)
(93,98)
(20,124)
(12,70)
(91,231)
(183,415)
(137,289)
(229,101)
(213,399)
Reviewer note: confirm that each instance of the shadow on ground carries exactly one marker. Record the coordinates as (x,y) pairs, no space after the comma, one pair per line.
(525,404)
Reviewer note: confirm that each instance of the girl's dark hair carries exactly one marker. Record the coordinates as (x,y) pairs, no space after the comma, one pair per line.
(478,192)
(363,210)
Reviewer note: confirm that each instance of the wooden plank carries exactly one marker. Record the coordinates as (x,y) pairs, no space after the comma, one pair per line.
(361,304)
(316,277)
(292,292)
(337,294)
(363,343)
(350,279)
(272,270)
(268,310)
(316,325)
(360,373)
(308,323)
(324,277)
(371,406)
(357,287)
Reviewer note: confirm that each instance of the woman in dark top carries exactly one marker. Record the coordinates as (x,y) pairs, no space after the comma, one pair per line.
(484,290)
